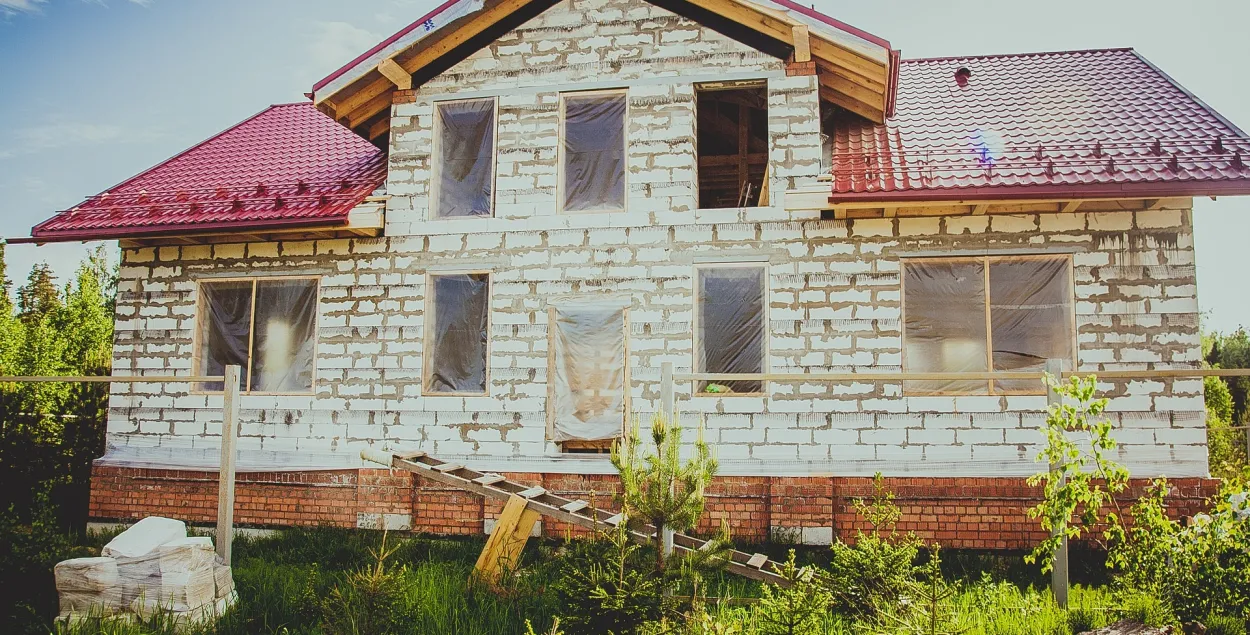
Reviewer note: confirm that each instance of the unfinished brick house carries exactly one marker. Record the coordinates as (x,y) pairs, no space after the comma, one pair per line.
(483,237)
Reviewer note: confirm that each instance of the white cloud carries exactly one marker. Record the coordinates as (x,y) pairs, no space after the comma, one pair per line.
(61,133)
(336,43)
(10,7)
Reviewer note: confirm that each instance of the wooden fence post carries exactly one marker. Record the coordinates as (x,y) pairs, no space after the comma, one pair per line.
(225,478)
(1059,564)
(667,403)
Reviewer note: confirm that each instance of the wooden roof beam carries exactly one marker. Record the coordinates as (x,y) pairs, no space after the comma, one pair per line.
(380,128)
(802,40)
(396,73)
(868,111)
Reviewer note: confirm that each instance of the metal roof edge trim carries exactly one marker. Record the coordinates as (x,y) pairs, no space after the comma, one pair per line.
(951,58)
(1228,187)
(185,229)
(1214,113)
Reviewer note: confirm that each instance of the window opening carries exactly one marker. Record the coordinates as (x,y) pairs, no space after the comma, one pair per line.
(732,145)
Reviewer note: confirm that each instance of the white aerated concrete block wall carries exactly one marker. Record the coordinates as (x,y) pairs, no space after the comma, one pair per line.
(835,298)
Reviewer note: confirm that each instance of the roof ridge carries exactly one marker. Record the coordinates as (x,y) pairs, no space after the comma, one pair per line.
(951,58)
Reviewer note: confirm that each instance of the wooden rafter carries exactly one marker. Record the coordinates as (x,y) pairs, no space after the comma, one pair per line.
(848,78)
(396,73)
(380,128)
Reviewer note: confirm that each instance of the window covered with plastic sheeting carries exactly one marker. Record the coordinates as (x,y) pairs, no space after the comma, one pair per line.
(593,154)
(731,318)
(456,351)
(976,314)
(1031,317)
(267,327)
(466,158)
(587,394)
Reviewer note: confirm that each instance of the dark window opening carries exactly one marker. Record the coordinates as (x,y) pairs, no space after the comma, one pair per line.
(732,145)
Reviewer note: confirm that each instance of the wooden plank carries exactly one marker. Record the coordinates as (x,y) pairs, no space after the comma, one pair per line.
(871,113)
(980,209)
(757,561)
(1071,206)
(489,479)
(225,477)
(830,51)
(396,73)
(575,506)
(112,379)
(615,519)
(802,45)
(849,88)
(371,108)
(503,549)
(778,26)
(448,467)
(410,455)
(533,492)
(380,128)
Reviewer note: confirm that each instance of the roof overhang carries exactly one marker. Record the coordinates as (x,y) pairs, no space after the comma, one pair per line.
(856,70)
(1230,187)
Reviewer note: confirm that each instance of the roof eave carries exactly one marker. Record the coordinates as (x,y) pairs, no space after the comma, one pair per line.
(173,230)
(1230,187)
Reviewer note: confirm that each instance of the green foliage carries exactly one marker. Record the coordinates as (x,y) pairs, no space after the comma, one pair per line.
(555,628)
(930,609)
(49,433)
(878,569)
(657,487)
(1232,351)
(607,585)
(370,600)
(1198,570)
(795,610)
(1226,447)
(1081,480)
(1224,625)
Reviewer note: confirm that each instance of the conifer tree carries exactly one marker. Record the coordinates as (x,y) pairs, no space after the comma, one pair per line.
(657,486)
(39,296)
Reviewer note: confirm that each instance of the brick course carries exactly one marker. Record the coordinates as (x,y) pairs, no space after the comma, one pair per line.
(967,513)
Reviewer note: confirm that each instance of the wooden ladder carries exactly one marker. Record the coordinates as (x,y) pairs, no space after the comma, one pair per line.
(523,505)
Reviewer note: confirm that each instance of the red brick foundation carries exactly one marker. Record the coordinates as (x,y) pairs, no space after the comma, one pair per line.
(968,513)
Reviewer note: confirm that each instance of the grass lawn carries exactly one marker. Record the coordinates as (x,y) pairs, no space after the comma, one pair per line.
(285,582)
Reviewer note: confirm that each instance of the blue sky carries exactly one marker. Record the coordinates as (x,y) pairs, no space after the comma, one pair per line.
(96,91)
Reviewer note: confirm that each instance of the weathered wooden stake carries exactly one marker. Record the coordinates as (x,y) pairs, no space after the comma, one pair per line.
(667,402)
(225,480)
(1059,564)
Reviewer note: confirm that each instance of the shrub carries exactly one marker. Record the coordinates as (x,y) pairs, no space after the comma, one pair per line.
(1199,570)
(931,608)
(878,568)
(792,610)
(371,601)
(1224,625)
(606,586)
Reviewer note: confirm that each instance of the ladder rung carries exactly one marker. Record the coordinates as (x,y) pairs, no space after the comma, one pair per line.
(448,467)
(757,561)
(574,506)
(488,479)
(707,544)
(533,492)
(408,456)
(615,520)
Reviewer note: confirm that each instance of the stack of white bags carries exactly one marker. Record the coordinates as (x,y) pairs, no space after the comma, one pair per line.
(151,567)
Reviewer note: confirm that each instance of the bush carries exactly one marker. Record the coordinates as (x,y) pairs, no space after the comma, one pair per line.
(879,567)
(371,601)
(794,610)
(1198,570)
(607,585)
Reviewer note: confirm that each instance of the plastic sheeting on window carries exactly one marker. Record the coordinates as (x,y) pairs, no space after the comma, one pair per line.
(944,328)
(466,154)
(594,152)
(588,354)
(225,322)
(285,338)
(456,358)
(731,325)
(1030,317)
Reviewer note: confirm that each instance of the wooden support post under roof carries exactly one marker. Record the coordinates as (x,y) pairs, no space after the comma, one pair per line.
(1071,206)
(396,73)
(802,43)
(980,209)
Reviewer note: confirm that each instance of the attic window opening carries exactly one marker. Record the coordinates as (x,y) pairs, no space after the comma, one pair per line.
(732,144)
(465,158)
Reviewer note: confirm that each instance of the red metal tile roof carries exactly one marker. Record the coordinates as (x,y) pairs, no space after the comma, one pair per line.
(1100,123)
(288,165)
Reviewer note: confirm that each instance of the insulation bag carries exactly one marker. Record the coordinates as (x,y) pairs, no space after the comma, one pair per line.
(88,585)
